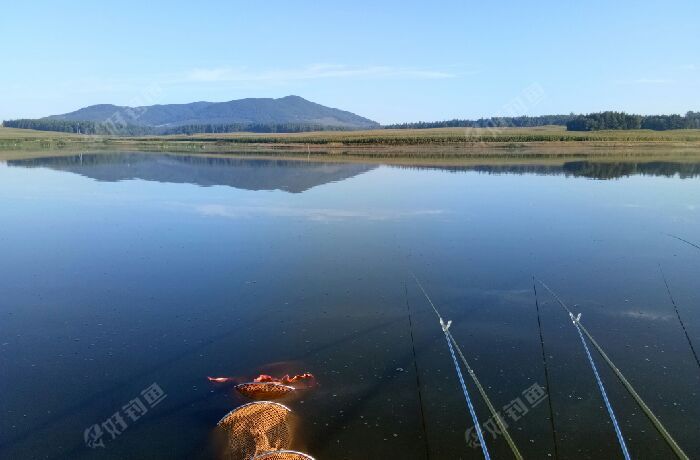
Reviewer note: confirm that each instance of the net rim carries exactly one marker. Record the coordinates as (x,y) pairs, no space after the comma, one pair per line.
(255,403)
(283,451)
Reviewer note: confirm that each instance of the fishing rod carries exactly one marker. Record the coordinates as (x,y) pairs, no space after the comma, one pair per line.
(601,387)
(452,343)
(611,413)
(628,386)
(546,371)
(445,329)
(678,315)
(415,366)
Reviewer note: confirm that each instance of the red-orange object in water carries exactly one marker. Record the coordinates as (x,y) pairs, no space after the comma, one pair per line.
(306,379)
(220,379)
(283,455)
(264,390)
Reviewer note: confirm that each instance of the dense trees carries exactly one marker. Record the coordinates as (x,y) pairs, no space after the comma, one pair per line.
(622,120)
(78,127)
(493,122)
(591,122)
(95,128)
(250,128)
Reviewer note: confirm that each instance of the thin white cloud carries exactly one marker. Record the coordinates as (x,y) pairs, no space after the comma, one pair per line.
(653,81)
(317,71)
(646,81)
(314,214)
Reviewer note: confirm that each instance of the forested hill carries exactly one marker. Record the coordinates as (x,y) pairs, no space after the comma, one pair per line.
(293,114)
(290,113)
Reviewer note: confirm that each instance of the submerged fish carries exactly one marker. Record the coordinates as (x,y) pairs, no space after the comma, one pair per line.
(306,378)
(264,390)
(220,379)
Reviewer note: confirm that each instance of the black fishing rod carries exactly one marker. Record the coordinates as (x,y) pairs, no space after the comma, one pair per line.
(628,386)
(678,315)
(546,372)
(415,367)
(452,344)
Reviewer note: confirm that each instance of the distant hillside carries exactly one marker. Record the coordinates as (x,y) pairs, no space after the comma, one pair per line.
(293,110)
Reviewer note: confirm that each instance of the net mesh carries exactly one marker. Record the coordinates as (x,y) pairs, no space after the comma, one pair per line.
(283,455)
(264,390)
(255,428)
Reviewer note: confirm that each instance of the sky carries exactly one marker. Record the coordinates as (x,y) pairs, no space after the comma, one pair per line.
(388,61)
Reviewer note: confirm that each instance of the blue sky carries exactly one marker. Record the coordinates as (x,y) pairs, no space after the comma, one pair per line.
(389,61)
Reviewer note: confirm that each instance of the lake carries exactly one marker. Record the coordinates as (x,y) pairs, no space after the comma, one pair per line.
(130,277)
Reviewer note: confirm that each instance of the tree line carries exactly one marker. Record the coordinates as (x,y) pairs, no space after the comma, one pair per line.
(609,120)
(77,127)
(111,129)
(622,120)
(590,122)
(250,128)
(493,122)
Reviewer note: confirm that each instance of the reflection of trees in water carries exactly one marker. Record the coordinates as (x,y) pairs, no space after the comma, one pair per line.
(606,170)
(250,174)
(296,175)
(590,169)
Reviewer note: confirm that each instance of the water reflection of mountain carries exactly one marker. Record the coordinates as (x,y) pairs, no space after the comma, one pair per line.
(296,176)
(590,169)
(249,174)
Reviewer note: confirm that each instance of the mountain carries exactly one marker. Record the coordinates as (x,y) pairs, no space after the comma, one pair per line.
(289,109)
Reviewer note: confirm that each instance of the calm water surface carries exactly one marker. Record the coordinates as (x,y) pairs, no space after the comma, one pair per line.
(124,270)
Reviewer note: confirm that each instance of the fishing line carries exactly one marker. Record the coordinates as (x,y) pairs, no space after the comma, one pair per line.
(445,329)
(450,341)
(415,366)
(675,307)
(601,387)
(681,239)
(494,413)
(546,372)
(472,412)
(638,399)
(618,431)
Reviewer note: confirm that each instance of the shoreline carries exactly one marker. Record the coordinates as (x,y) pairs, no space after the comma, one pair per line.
(442,143)
(555,157)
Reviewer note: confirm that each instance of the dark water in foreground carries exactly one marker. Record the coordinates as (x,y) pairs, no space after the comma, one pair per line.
(120,271)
